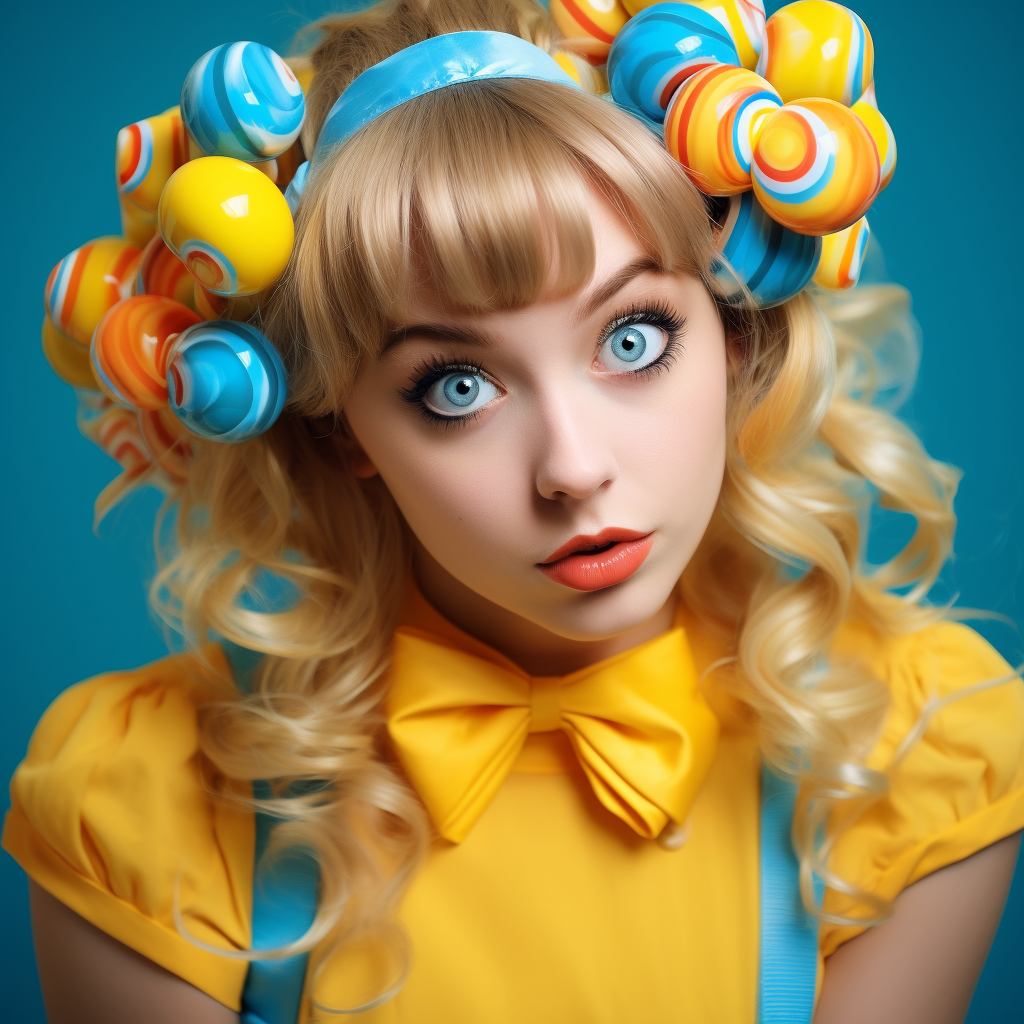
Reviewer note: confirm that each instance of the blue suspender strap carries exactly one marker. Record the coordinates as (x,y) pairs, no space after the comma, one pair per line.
(284,899)
(789,935)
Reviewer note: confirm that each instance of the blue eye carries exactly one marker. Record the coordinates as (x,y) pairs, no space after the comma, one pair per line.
(632,347)
(458,394)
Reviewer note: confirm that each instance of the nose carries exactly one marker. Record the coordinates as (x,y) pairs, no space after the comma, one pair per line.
(575,459)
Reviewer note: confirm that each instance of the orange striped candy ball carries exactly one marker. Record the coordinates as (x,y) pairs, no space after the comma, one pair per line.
(162,273)
(116,431)
(712,123)
(129,348)
(589,26)
(86,283)
(815,168)
(166,438)
(147,154)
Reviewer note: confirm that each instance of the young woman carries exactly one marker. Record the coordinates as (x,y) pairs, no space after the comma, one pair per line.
(576,546)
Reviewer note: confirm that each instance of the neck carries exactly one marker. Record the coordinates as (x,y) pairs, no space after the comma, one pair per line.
(533,648)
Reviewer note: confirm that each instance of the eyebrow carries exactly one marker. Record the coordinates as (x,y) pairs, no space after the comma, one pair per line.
(438,332)
(471,336)
(614,284)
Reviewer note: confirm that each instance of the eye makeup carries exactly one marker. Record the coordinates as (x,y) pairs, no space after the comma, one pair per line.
(439,386)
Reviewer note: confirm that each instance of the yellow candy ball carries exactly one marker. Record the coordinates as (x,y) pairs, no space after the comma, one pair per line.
(228,223)
(67,359)
(883,136)
(842,256)
(744,20)
(820,49)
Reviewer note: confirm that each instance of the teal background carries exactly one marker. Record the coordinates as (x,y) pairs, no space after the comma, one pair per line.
(73,602)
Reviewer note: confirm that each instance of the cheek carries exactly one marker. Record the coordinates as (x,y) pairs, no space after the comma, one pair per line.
(456,492)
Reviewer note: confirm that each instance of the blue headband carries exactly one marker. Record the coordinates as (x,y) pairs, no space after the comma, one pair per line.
(430,65)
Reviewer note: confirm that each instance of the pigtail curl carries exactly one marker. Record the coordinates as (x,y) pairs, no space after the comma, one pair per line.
(782,564)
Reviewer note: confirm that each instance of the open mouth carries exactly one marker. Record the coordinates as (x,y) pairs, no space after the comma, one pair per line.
(595,562)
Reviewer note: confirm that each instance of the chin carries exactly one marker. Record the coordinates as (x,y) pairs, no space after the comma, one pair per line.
(603,614)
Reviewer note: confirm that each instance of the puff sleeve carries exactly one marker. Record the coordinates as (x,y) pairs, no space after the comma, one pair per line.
(110,815)
(956,789)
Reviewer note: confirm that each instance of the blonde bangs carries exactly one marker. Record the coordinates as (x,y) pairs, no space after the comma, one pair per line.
(481,193)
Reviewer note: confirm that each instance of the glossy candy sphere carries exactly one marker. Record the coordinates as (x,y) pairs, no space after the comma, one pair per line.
(162,273)
(166,438)
(242,100)
(226,380)
(885,141)
(817,48)
(67,359)
(658,50)
(87,282)
(138,226)
(744,20)
(713,122)
(815,167)
(147,154)
(589,26)
(760,256)
(228,223)
(129,349)
(842,256)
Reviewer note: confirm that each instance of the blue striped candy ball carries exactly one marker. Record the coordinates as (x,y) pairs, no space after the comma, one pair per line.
(658,50)
(225,380)
(242,100)
(761,256)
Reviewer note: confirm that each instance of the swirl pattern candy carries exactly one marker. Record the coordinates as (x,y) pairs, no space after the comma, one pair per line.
(885,141)
(147,154)
(817,48)
(842,256)
(658,50)
(760,257)
(744,20)
(67,359)
(86,283)
(228,224)
(242,100)
(226,380)
(589,26)
(712,123)
(129,349)
(166,438)
(815,167)
(162,273)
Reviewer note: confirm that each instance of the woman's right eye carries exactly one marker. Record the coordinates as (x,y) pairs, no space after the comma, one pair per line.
(459,394)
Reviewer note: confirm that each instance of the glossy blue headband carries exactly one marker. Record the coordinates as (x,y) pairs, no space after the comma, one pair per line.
(427,66)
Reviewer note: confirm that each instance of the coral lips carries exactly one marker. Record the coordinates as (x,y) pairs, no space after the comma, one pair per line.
(599,561)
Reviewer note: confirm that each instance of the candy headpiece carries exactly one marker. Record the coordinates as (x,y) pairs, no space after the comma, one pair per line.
(776,120)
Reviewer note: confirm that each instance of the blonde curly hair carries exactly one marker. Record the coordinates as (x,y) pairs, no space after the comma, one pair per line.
(483,189)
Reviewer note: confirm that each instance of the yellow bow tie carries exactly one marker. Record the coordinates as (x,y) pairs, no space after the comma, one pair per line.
(640,727)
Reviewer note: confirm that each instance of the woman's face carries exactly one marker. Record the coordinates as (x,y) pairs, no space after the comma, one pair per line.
(557,463)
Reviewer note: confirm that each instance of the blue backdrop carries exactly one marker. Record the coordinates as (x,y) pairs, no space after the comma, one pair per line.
(74,603)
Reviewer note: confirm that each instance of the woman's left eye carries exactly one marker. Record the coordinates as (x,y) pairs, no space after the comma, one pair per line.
(459,394)
(632,347)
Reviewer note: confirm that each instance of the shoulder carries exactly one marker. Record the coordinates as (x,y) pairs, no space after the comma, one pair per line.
(111,813)
(952,752)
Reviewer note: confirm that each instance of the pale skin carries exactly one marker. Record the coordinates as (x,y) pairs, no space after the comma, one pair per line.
(568,440)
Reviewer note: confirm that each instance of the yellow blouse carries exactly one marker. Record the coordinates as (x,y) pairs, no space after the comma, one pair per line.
(551,909)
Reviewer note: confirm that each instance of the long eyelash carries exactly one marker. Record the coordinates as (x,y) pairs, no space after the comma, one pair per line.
(425,376)
(657,314)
